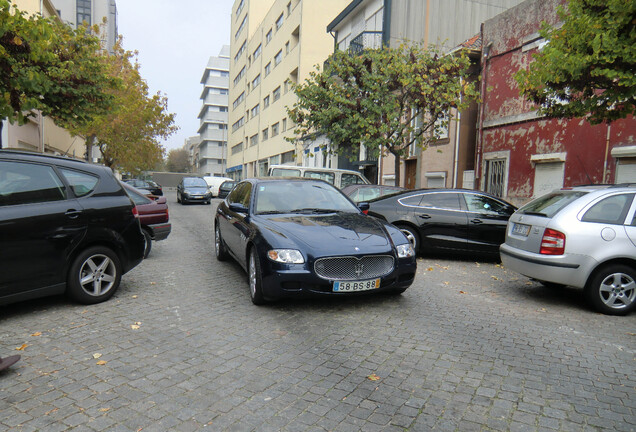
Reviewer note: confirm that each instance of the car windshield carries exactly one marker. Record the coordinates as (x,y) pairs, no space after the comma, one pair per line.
(194,182)
(300,197)
(550,204)
(227,185)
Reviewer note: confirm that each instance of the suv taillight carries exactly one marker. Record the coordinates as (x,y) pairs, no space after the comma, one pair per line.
(135,212)
(553,242)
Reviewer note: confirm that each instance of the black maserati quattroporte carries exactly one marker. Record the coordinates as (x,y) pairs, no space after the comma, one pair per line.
(298,237)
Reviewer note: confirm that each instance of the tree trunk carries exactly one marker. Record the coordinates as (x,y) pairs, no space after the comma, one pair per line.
(397,169)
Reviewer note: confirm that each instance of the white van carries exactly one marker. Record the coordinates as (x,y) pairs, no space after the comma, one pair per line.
(214,183)
(337,177)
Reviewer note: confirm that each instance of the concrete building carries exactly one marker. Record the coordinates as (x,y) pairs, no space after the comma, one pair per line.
(191,146)
(213,116)
(521,154)
(274,43)
(448,24)
(40,133)
(90,12)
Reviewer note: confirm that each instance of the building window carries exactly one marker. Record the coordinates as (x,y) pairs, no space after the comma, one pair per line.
(257,52)
(253,140)
(237,148)
(284,124)
(240,8)
(256,81)
(287,157)
(276,93)
(241,27)
(268,68)
(238,124)
(275,129)
(495,173)
(286,47)
(288,8)
(240,51)
(287,84)
(238,100)
(265,101)
(278,58)
(238,77)
(84,12)
(279,22)
(265,134)
(255,110)
(268,37)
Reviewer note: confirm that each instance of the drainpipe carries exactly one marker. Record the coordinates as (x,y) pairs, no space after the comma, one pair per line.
(607,141)
(457,129)
(386,23)
(480,135)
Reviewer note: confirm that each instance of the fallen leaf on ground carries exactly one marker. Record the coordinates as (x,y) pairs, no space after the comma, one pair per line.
(134,296)
(101,362)
(430,269)
(134,326)
(462,292)
(104,409)
(21,348)
(37,334)
(373,377)
(494,277)
(96,355)
(153,283)
(446,283)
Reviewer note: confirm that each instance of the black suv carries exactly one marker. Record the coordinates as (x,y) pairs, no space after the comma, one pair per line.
(66,226)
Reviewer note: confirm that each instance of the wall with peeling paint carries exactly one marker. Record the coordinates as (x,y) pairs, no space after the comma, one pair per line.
(510,123)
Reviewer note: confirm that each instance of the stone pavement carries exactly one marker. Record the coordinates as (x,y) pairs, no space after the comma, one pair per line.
(470,346)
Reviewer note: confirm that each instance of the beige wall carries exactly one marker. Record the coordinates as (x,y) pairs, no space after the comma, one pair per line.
(303,43)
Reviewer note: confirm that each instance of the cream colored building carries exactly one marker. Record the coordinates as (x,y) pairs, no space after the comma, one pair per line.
(273,43)
(40,133)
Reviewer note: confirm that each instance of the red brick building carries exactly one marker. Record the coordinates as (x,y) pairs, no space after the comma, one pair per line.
(520,154)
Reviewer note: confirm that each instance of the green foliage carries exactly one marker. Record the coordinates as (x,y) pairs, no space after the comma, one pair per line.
(178,161)
(588,67)
(385,99)
(47,66)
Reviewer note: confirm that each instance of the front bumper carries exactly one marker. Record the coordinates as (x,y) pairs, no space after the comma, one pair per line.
(196,198)
(569,269)
(280,281)
(160,231)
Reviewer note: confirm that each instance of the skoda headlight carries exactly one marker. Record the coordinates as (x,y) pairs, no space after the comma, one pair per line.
(405,250)
(286,256)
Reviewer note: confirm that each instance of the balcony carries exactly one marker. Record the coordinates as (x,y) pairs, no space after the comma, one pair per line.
(365,40)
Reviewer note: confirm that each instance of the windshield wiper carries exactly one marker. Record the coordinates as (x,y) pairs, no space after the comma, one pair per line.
(270,212)
(313,210)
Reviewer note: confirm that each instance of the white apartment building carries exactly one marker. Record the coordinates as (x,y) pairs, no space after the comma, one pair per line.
(274,43)
(212,148)
(90,12)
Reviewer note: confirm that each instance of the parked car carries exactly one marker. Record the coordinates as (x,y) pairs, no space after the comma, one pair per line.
(298,237)
(153,187)
(337,177)
(367,192)
(437,220)
(66,226)
(193,189)
(583,237)
(214,183)
(153,216)
(225,188)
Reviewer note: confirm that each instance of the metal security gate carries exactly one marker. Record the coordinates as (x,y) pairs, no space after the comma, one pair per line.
(496,176)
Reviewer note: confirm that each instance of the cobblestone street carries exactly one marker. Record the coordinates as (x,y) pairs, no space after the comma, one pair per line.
(470,346)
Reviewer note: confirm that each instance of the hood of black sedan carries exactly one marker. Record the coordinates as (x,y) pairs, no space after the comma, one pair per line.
(332,233)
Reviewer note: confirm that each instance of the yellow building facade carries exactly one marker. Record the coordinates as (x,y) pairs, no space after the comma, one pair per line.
(273,44)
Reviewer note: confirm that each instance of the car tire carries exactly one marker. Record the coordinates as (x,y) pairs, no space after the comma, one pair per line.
(612,289)
(178,199)
(94,275)
(255,278)
(220,249)
(148,243)
(412,236)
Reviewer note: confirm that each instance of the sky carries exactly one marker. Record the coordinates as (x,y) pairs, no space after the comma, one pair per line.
(175,40)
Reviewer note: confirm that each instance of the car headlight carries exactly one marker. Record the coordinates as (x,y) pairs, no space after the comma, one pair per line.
(286,256)
(405,250)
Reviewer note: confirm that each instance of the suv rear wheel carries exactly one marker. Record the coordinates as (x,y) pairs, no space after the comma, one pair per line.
(94,276)
(612,289)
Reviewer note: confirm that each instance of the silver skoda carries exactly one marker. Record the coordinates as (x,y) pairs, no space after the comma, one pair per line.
(584,237)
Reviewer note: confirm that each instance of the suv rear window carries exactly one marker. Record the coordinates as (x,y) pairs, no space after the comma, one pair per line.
(550,204)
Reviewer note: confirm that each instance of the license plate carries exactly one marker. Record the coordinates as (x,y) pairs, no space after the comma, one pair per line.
(364,285)
(521,229)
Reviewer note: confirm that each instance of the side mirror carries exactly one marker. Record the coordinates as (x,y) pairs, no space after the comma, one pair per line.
(238,208)
(364,207)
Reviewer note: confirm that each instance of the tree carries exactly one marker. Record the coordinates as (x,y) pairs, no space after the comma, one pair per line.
(587,67)
(178,161)
(385,99)
(47,66)
(128,135)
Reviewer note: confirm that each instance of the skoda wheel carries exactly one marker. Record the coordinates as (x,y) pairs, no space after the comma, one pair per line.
(94,276)
(612,289)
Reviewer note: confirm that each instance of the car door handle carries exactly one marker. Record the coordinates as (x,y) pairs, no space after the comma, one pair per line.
(73,214)
(424,216)
(476,221)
